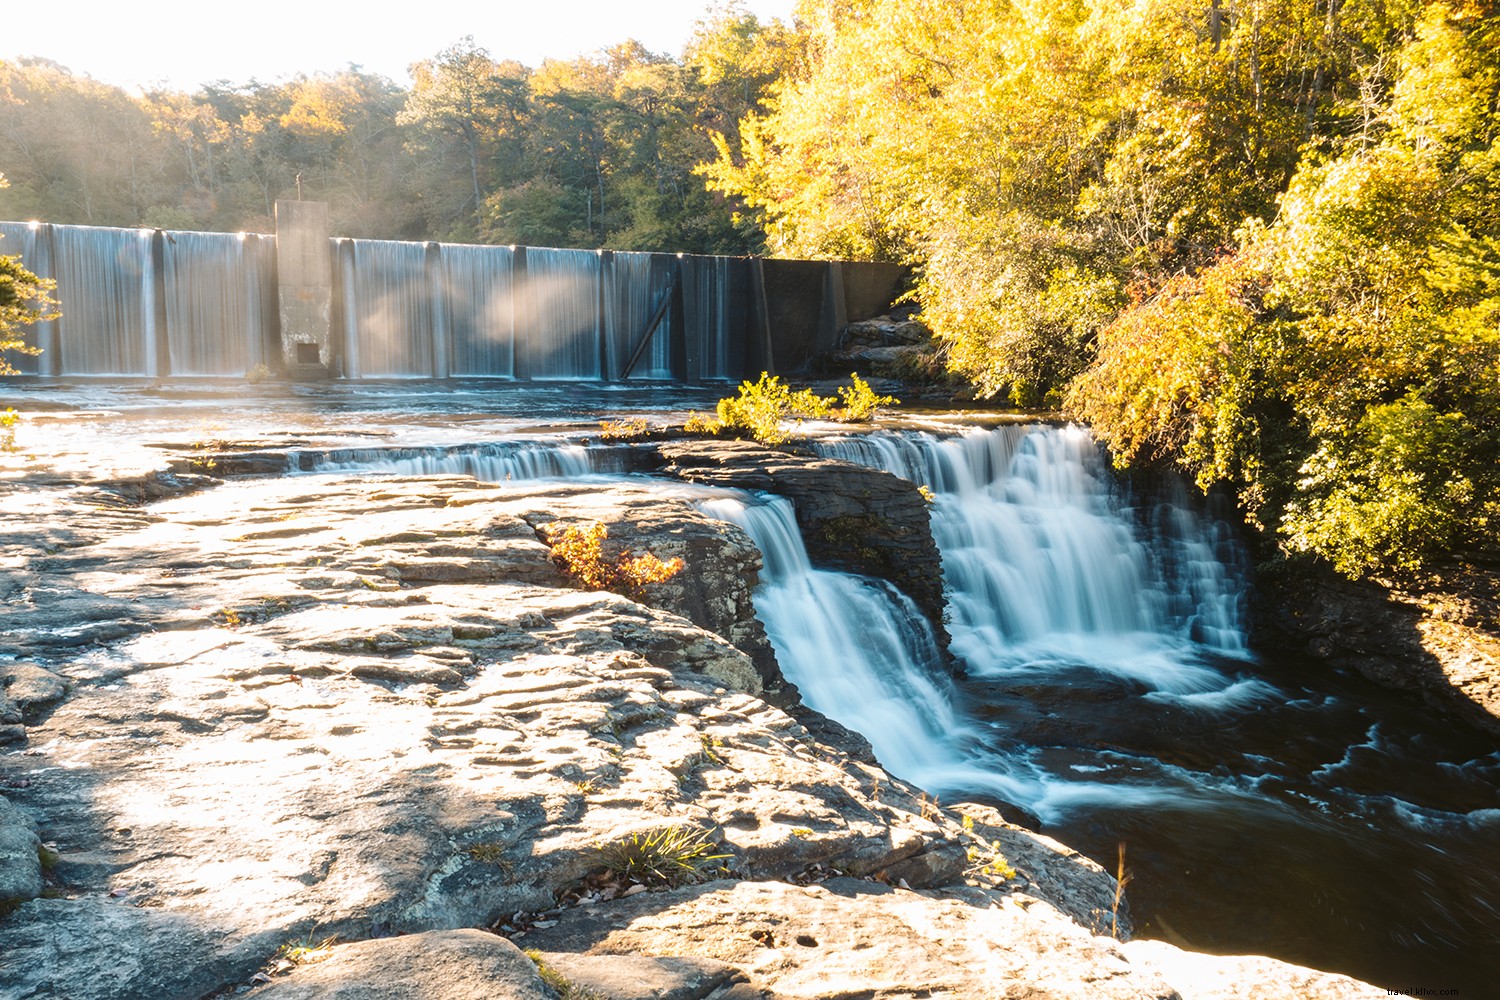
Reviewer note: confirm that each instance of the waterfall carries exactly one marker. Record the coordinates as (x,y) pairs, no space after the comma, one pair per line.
(1045,562)
(497,462)
(860,652)
(388,329)
(1053,585)
(107,293)
(215,301)
(562,313)
(476,286)
(638,283)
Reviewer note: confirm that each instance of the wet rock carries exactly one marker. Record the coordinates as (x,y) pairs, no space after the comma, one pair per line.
(1442,643)
(20,857)
(885,331)
(27,690)
(720,565)
(437,965)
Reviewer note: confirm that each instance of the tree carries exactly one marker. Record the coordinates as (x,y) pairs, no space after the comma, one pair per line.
(465,103)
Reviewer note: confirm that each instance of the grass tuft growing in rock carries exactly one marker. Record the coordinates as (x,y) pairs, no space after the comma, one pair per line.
(560,984)
(668,857)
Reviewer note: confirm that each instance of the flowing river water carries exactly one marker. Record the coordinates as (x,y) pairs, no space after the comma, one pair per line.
(1265,805)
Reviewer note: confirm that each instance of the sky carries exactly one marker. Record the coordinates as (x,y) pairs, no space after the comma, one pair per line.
(183,45)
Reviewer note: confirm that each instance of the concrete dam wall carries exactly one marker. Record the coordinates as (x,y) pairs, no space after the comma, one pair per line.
(156,303)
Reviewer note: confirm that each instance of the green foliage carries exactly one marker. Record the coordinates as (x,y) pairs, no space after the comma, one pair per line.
(858,402)
(591,152)
(762,408)
(24,299)
(668,857)
(1341,368)
(8,421)
(560,984)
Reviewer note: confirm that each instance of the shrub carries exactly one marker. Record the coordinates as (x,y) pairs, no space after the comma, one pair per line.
(579,552)
(860,401)
(668,857)
(623,430)
(702,423)
(761,407)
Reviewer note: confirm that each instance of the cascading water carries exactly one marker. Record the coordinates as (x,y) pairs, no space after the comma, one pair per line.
(139,302)
(860,652)
(216,301)
(497,462)
(387,315)
(475,283)
(1108,679)
(107,294)
(638,285)
(1043,563)
(562,296)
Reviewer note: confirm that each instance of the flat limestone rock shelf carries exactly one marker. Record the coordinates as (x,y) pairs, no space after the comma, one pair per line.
(372,709)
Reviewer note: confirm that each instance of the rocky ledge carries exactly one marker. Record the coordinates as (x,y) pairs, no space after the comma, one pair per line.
(360,738)
(1440,641)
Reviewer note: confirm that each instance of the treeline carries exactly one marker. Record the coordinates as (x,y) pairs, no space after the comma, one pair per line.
(1258,239)
(598,151)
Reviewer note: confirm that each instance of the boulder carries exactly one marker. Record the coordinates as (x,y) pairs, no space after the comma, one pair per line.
(436,965)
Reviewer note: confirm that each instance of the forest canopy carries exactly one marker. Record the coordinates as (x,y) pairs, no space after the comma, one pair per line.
(1257,240)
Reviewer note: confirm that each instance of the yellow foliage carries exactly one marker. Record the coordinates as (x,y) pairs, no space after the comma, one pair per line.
(579,552)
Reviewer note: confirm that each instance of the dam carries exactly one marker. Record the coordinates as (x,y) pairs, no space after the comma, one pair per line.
(150,303)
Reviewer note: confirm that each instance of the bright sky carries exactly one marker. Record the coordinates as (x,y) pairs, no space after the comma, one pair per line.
(184,44)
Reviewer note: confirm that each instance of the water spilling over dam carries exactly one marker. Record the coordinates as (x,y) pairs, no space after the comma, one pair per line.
(155,303)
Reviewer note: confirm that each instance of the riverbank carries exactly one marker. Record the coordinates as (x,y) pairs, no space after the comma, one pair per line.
(372,709)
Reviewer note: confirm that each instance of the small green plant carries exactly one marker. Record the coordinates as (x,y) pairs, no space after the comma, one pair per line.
(860,401)
(1122,879)
(927,495)
(670,857)
(258,373)
(623,430)
(490,853)
(710,744)
(990,862)
(968,822)
(702,423)
(762,407)
(8,430)
(560,984)
(579,552)
(307,951)
(801,832)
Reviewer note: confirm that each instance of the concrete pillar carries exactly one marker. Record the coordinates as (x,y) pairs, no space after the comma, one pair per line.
(437,299)
(157,348)
(304,276)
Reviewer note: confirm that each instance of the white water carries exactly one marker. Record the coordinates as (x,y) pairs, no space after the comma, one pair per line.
(1046,574)
(1044,563)
(861,653)
(216,301)
(500,462)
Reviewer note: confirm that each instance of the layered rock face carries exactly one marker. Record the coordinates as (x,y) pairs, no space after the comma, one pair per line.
(314,737)
(1442,644)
